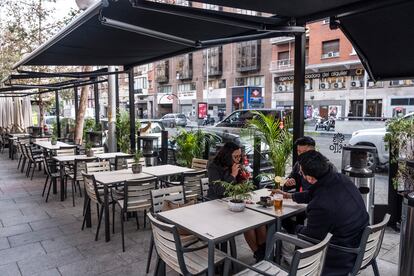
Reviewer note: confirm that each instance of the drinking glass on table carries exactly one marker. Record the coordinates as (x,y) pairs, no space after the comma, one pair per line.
(278,202)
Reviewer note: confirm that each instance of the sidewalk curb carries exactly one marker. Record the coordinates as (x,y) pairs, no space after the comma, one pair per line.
(325,134)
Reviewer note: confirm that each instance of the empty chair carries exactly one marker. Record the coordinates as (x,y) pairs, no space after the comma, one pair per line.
(66,151)
(368,249)
(34,159)
(191,183)
(137,198)
(98,150)
(93,192)
(199,164)
(51,176)
(76,177)
(204,188)
(308,260)
(97,166)
(171,157)
(123,161)
(185,260)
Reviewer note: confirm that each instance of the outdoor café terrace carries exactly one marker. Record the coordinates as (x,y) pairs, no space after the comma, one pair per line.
(69,209)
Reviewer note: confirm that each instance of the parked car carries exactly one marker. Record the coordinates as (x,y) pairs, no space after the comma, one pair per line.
(174,119)
(48,126)
(374,137)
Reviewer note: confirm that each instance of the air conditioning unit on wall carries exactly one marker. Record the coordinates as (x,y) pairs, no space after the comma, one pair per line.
(331,54)
(307,86)
(338,85)
(281,88)
(325,85)
(355,84)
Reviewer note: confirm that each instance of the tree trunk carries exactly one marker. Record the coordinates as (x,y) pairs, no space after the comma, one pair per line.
(83,103)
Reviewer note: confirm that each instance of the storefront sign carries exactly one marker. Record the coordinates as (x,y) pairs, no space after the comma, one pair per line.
(342,73)
(202,110)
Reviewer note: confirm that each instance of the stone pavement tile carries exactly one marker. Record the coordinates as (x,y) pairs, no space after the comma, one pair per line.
(35,236)
(14,230)
(72,228)
(52,222)
(50,272)
(137,268)
(23,252)
(4,244)
(10,213)
(391,239)
(392,255)
(49,261)
(384,267)
(9,270)
(93,265)
(10,221)
(101,247)
(66,241)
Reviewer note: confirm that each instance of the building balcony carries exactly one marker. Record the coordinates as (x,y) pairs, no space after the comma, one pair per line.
(284,65)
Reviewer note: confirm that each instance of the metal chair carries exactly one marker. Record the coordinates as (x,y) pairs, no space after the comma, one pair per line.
(368,249)
(123,161)
(101,166)
(137,198)
(98,150)
(204,188)
(76,176)
(66,151)
(50,175)
(34,159)
(185,260)
(306,261)
(93,192)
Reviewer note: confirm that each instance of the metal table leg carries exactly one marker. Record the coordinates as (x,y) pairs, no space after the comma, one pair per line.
(106,210)
(211,249)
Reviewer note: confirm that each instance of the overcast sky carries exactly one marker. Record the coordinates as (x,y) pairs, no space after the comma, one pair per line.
(63,7)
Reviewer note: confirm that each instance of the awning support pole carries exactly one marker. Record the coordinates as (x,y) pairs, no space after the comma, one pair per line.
(96,99)
(57,114)
(131,108)
(299,90)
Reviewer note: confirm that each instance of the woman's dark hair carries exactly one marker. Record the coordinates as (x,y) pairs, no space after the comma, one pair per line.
(224,157)
(313,163)
(305,141)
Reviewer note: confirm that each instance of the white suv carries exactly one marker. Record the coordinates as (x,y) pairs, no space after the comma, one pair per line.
(374,137)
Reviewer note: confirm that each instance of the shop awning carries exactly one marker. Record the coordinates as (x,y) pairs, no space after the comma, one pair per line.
(121,33)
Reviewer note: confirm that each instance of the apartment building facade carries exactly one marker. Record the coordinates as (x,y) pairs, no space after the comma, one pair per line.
(334,78)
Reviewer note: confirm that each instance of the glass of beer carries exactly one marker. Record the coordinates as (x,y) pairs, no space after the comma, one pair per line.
(278,202)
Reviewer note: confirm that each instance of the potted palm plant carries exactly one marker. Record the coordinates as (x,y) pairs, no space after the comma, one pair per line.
(53,140)
(88,149)
(136,166)
(238,193)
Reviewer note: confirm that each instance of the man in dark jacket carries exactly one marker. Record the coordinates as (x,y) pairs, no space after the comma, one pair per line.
(334,206)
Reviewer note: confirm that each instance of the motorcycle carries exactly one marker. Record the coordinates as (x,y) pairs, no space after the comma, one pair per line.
(208,120)
(326,124)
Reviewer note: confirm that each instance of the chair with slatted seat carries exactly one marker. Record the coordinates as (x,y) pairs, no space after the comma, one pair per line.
(137,197)
(94,195)
(176,195)
(204,188)
(34,159)
(51,175)
(77,177)
(97,166)
(199,164)
(123,162)
(308,260)
(66,151)
(185,260)
(191,183)
(368,249)
(98,150)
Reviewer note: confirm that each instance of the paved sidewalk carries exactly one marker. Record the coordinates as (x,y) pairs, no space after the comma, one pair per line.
(38,238)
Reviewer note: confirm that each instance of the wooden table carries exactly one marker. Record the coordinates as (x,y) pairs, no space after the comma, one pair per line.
(213,222)
(289,209)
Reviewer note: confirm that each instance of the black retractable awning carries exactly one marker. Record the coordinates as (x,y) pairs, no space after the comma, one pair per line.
(142,32)
(384,40)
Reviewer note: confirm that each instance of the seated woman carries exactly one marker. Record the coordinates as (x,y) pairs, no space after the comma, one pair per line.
(226,166)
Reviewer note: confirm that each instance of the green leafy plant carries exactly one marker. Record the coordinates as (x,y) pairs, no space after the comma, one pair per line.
(237,192)
(277,137)
(88,146)
(400,139)
(123,131)
(88,125)
(137,157)
(192,144)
